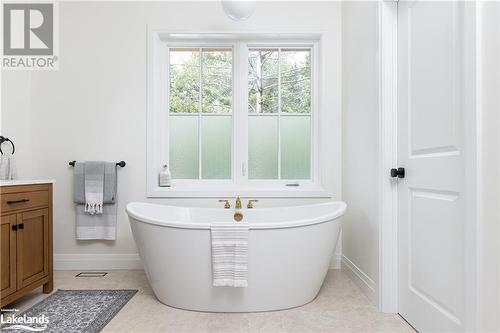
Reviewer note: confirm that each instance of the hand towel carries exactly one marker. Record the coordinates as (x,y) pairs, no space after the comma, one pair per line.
(109,194)
(94,187)
(8,168)
(229,255)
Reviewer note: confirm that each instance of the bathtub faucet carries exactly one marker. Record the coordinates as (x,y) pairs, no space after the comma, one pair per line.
(238,203)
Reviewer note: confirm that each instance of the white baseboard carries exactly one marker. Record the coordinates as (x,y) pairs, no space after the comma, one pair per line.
(84,262)
(363,281)
(336,261)
(70,262)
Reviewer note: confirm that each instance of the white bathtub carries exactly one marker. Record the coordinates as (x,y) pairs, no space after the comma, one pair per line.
(290,249)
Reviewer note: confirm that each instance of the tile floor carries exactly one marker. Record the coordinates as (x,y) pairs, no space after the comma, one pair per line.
(339,307)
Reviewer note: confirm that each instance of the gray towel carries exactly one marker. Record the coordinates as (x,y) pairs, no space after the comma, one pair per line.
(94,187)
(109,182)
(98,176)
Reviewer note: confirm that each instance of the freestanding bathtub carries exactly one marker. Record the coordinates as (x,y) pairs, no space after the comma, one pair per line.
(290,249)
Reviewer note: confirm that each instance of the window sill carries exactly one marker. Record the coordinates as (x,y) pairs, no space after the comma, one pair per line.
(176,192)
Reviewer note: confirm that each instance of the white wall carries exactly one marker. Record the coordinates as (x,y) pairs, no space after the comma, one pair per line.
(360,157)
(94,107)
(15,118)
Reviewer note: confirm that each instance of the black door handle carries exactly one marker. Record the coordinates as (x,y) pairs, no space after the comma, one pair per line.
(14,227)
(21,226)
(399,172)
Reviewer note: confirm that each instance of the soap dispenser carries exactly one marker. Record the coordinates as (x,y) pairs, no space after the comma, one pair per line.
(165,176)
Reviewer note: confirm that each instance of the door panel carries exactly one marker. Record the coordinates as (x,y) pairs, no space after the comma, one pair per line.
(433,215)
(32,249)
(433,55)
(8,255)
(431,134)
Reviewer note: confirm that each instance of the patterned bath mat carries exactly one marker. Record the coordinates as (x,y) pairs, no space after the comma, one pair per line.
(72,311)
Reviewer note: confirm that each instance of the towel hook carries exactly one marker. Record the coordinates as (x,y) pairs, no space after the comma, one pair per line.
(4,139)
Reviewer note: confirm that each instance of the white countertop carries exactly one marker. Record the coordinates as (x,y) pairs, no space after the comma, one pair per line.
(26,182)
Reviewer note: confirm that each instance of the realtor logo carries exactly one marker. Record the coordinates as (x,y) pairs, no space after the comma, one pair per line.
(28,29)
(29,33)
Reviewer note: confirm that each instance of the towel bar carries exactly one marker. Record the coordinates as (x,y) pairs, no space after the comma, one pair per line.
(120,164)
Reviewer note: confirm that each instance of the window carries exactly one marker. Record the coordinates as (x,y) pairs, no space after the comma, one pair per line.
(279,110)
(200,122)
(234,117)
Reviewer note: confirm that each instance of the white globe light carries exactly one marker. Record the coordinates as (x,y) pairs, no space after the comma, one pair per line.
(239,10)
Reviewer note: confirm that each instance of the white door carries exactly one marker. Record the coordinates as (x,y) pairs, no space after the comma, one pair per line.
(431,148)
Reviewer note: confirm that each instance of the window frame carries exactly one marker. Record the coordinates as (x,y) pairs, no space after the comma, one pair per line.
(158,114)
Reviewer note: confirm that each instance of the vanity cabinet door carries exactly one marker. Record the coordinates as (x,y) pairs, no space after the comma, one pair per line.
(8,255)
(32,246)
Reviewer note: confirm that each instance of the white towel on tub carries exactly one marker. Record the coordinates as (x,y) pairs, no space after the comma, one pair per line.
(229,255)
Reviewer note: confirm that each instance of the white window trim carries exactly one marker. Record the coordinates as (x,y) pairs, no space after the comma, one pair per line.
(157,137)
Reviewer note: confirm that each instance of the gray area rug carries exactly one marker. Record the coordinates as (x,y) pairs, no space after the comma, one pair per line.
(73,311)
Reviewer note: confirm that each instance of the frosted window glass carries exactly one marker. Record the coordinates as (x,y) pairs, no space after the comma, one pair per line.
(295,147)
(263,93)
(296,81)
(217,81)
(216,147)
(184,147)
(184,80)
(263,147)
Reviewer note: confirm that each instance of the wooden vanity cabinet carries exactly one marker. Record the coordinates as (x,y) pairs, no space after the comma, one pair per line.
(26,260)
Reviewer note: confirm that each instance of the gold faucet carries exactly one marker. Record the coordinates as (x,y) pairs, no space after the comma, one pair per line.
(238,203)
(238,216)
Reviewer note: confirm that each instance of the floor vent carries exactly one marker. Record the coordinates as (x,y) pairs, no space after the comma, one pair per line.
(92,274)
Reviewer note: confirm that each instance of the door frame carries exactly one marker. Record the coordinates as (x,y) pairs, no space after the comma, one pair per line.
(388,137)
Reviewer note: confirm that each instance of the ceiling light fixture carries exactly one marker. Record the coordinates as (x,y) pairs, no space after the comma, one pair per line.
(239,10)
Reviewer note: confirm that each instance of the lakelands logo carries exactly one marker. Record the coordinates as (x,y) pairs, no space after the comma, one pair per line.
(24,323)
(29,36)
